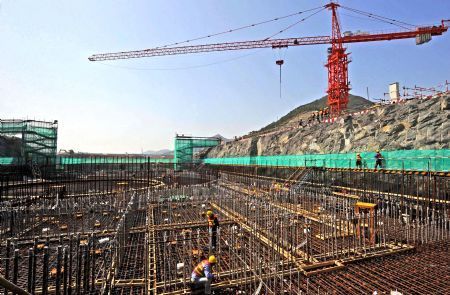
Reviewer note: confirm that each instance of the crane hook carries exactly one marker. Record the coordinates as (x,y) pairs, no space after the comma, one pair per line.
(280,62)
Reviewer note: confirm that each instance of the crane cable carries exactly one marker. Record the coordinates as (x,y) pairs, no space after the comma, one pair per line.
(294,24)
(227,60)
(381,18)
(239,28)
(280,61)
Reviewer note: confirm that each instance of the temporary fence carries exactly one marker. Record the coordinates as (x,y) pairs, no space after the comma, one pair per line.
(419,160)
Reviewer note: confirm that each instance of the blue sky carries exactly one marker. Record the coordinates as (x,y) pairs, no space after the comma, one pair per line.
(126,106)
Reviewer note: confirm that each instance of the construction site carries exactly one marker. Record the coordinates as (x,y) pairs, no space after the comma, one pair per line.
(305,223)
(136,227)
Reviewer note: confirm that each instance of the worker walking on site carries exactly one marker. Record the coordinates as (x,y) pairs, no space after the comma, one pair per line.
(213,225)
(378,160)
(358,161)
(202,276)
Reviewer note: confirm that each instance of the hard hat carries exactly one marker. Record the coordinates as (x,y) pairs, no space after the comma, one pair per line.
(358,154)
(212,259)
(209,213)
(378,151)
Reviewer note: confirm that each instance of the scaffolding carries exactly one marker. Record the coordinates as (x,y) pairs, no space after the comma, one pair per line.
(39,140)
(186,145)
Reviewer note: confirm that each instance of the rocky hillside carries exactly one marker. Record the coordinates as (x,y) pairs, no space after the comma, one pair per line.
(355,103)
(414,124)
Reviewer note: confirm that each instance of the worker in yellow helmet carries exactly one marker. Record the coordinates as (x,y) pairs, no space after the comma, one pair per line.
(213,224)
(202,276)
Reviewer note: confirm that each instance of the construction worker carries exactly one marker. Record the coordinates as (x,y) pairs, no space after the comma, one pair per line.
(213,224)
(358,161)
(202,276)
(378,160)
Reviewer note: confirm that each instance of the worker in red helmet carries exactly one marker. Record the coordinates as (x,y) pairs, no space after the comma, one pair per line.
(378,160)
(202,276)
(213,225)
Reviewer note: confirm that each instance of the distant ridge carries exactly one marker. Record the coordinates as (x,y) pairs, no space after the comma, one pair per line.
(163,152)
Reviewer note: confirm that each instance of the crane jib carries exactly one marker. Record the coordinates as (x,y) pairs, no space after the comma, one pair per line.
(270,43)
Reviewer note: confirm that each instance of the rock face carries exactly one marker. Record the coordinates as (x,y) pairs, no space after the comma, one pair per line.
(414,124)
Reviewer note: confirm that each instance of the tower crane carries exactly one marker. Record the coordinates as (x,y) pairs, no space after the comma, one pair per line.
(337,64)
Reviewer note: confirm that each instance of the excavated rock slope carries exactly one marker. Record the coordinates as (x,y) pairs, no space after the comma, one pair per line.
(414,124)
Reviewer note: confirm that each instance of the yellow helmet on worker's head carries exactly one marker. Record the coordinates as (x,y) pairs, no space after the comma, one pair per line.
(209,213)
(378,151)
(212,259)
(358,154)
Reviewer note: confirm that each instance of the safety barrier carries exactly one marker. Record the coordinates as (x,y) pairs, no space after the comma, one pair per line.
(417,160)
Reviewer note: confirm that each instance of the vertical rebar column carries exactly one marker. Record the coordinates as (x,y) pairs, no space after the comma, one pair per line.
(45,272)
(86,268)
(8,255)
(69,270)
(65,270)
(93,262)
(78,267)
(30,269)
(58,270)
(34,268)
(16,266)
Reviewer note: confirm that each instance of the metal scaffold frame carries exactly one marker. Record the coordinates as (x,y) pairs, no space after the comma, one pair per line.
(186,145)
(39,139)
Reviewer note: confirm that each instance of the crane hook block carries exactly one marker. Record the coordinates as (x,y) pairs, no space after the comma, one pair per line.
(279,62)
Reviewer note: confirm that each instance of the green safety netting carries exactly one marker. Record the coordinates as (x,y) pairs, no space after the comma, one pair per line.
(110,160)
(7,160)
(185,145)
(421,160)
(39,139)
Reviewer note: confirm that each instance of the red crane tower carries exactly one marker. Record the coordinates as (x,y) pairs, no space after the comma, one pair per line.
(337,64)
(338,86)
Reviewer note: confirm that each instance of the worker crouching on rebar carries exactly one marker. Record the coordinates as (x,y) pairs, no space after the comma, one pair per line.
(213,224)
(202,276)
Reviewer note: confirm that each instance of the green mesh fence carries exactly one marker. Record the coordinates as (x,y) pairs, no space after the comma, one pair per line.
(420,160)
(110,160)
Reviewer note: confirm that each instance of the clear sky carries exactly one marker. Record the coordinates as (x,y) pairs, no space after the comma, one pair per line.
(126,106)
